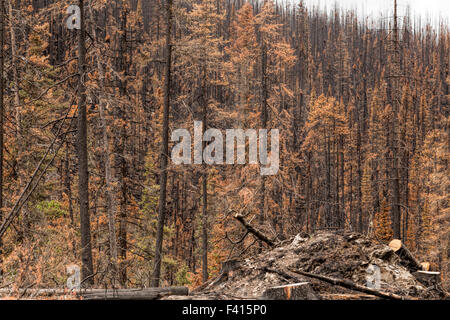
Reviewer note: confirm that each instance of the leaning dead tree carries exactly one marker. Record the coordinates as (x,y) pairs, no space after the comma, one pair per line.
(258,234)
(45,162)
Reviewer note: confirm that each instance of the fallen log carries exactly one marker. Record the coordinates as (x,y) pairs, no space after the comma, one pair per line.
(36,292)
(350,285)
(295,291)
(101,294)
(406,257)
(348,296)
(254,231)
(135,294)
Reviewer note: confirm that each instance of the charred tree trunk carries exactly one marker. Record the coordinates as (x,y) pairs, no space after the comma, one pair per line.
(264,119)
(394,172)
(164,149)
(123,227)
(2,82)
(205,195)
(83,174)
(254,231)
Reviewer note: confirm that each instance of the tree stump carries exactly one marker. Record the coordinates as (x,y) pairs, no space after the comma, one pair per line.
(428,278)
(296,291)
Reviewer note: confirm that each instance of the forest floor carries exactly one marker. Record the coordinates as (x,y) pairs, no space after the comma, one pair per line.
(345,256)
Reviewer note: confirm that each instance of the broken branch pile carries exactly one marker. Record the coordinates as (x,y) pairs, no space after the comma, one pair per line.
(325,265)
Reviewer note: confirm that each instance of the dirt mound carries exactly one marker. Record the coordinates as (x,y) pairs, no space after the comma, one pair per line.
(346,256)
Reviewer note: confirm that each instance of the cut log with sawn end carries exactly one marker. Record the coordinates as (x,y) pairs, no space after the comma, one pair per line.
(406,257)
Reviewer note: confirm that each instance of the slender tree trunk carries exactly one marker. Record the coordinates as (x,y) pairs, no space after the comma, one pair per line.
(123,227)
(359,173)
(337,199)
(328,177)
(87,270)
(264,120)
(359,218)
(394,176)
(342,176)
(68,191)
(164,151)
(67,184)
(2,81)
(123,65)
(205,198)
(14,67)
(110,197)
(205,227)
(25,223)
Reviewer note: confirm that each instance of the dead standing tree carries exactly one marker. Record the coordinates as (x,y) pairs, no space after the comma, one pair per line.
(164,150)
(83,174)
(1,114)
